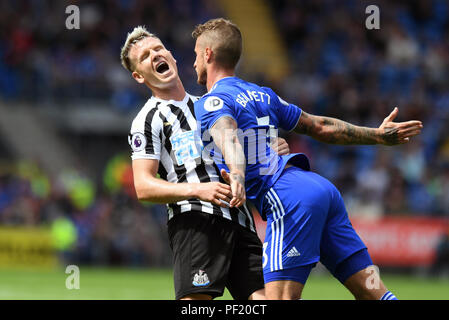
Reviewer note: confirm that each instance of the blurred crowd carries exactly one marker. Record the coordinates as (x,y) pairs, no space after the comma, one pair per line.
(338,68)
(90,222)
(44,62)
(342,69)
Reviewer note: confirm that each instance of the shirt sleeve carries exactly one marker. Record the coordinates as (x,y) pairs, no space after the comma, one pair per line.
(287,114)
(211,108)
(145,136)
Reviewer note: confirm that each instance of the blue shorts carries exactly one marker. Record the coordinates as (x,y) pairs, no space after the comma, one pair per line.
(307,222)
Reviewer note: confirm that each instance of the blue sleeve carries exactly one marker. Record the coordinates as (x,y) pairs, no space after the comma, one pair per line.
(211,108)
(287,114)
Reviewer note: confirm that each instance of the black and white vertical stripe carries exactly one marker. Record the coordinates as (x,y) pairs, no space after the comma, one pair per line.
(159,120)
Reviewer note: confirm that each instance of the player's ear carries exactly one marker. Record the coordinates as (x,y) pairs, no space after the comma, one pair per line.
(138,77)
(208,54)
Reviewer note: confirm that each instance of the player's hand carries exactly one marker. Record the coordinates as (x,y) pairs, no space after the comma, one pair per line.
(393,133)
(280,146)
(237,182)
(214,192)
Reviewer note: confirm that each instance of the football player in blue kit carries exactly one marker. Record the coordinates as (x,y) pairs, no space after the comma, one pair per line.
(307,220)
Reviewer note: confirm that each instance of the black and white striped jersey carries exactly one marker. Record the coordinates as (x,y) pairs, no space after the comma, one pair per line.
(167,131)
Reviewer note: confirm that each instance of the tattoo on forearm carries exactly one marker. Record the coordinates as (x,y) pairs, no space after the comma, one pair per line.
(335,131)
(240,179)
(345,133)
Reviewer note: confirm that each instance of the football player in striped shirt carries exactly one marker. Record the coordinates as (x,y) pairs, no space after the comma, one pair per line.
(214,246)
(306,218)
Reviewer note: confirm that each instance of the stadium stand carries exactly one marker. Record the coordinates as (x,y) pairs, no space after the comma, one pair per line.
(336,68)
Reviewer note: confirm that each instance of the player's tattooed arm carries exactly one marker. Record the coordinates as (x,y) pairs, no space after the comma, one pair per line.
(335,131)
(224,134)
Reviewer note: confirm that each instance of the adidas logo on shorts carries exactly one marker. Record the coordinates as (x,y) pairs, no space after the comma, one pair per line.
(293,252)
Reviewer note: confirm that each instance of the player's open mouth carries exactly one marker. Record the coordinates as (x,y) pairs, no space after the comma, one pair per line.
(162,67)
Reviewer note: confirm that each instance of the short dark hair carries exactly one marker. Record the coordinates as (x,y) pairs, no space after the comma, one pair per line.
(226,40)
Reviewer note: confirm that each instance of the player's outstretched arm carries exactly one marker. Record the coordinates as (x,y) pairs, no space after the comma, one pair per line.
(335,131)
(224,133)
(150,188)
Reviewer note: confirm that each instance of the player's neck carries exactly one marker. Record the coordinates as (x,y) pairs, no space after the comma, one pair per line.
(175,92)
(214,75)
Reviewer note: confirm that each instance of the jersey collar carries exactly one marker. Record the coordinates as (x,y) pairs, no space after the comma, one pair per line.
(216,83)
(171,101)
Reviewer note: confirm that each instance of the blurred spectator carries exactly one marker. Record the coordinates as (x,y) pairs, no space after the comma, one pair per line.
(337,68)
(441,263)
(340,69)
(40,58)
(108,228)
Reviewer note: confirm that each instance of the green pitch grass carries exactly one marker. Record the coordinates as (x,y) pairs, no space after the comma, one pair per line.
(155,284)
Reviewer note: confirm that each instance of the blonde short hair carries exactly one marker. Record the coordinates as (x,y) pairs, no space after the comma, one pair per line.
(139,33)
(226,39)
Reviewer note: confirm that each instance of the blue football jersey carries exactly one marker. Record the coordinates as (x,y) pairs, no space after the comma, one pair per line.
(259,112)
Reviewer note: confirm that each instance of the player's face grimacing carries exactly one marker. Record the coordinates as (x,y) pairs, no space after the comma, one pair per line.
(200,65)
(154,64)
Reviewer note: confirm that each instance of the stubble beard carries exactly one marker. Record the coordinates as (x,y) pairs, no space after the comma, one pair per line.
(202,78)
